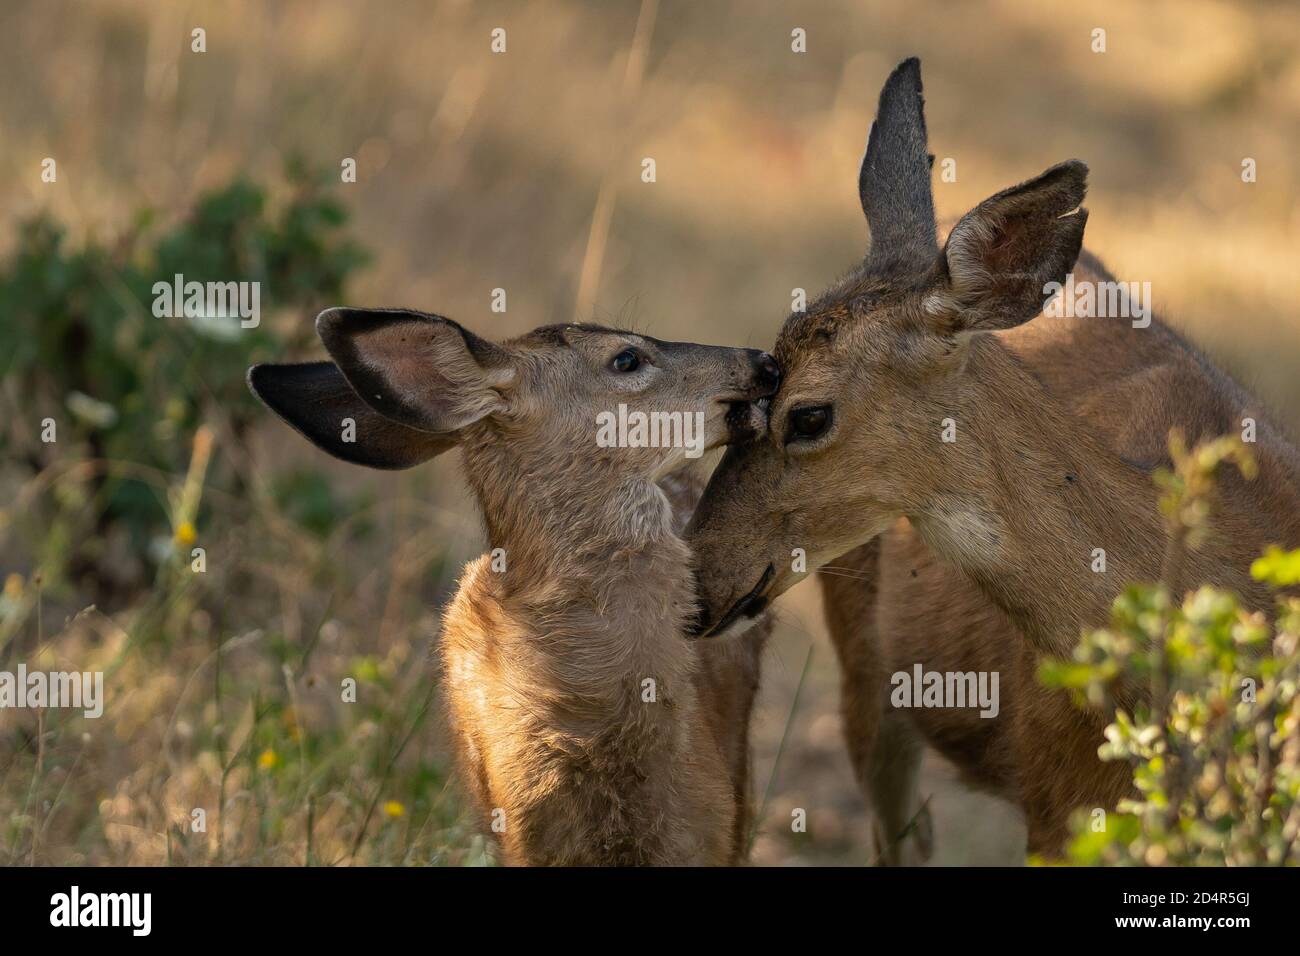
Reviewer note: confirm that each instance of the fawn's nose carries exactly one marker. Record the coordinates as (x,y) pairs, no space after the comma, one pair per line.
(767,374)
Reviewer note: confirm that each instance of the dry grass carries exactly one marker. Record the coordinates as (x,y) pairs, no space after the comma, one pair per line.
(479,171)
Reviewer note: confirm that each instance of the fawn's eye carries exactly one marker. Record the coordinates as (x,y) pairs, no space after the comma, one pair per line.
(808,422)
(626,361)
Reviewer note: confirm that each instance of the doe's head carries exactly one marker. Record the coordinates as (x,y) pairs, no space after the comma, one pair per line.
(871,369)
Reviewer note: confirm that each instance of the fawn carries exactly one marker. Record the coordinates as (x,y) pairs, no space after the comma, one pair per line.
(970,464)
(589,730)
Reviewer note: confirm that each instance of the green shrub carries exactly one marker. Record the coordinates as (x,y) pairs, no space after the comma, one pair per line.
(80,344)
(228,599)
(1215,743)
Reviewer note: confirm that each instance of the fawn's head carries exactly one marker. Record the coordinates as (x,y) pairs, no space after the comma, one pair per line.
(595,405)
(872,369)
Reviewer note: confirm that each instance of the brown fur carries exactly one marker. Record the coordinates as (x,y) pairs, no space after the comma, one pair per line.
(544,664)
(572,756)
(543,669)
(1131,386)
(984,557)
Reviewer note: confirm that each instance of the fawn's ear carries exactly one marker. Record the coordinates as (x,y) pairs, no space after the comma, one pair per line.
(423,371)
(317,401)
(1001,255)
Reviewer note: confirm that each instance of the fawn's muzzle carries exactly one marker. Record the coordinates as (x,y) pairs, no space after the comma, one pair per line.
(766,376)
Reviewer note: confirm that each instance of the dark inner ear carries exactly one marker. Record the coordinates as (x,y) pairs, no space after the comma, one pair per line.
(422,370)
(1002,255)
(1005,252)
(316,400)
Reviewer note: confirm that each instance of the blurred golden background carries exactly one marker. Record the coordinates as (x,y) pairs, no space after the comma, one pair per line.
(522,171)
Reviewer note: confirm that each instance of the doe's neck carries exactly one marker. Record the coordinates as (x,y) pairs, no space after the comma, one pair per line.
(1047,520)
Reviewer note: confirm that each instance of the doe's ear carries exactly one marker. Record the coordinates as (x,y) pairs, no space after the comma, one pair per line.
(894,179)
(420,370)
(1001,255)
(317,401)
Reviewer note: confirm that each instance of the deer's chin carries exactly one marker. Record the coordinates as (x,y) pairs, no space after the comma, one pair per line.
(740,616)
(736,629)
(671,467)
(727,423)
(744,421)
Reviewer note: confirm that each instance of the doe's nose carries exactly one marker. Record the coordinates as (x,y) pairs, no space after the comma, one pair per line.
(767,374)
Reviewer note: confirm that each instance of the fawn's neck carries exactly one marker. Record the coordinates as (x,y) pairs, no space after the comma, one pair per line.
(593,715)
(591,560)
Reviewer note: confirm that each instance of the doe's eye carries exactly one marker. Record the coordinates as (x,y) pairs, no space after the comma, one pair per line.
(626,361)
(808,422)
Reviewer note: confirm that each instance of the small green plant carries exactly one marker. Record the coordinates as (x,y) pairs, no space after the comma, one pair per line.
(228,598)
(1203,699)
(81,348)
